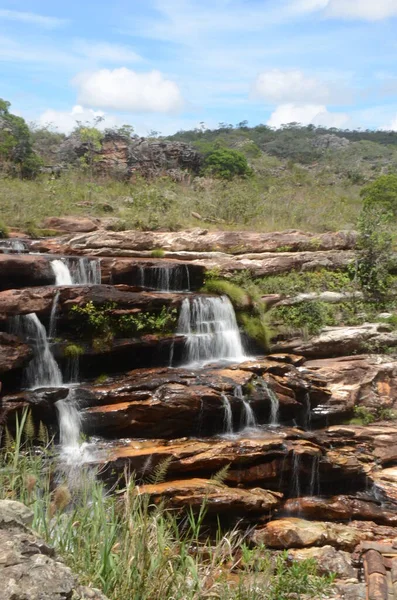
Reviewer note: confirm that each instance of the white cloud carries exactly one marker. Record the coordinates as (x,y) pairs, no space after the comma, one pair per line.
(32,18)
(317,114)
(66,121)
(369,10)
(103,51)
(277,86)
(126,90)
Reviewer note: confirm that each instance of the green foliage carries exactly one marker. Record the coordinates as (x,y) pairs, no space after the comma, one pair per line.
(102,378)
(157,253)
(363,416)
(381,193)
(257,328)
(103,324)
(374,248)
(16,144)
(309,317)
(3,231)
(226,164)
(73,351)
(237,296)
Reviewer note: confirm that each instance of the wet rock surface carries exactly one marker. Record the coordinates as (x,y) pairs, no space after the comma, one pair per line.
(14,354)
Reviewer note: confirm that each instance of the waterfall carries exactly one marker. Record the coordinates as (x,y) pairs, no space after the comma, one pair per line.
(73,452)
(53,316)
(87,271)
(247,415)
(80,271)
(12,246)
(73,369)
(315,477)
(211,330)
(61,272)
(296,487)
(43,370)
(228,418)
(307,415)
(274,405)
(168,278)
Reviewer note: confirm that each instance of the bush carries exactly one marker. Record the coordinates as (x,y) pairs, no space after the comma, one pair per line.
(308,317)
(381,193)
(157,253)
(237,296)
(226,164)
(3,231)
(73,351)
(257,328)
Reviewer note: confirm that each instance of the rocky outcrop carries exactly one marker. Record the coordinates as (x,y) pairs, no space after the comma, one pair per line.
(241,243)
(341,341)
(29,567)
(126,157)
(14,354)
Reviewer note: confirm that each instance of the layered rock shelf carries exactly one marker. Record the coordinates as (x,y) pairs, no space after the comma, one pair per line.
(186,390)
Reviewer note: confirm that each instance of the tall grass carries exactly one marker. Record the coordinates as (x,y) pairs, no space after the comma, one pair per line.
(133,550)
(292,198)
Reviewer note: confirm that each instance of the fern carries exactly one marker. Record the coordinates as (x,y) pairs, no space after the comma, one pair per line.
(160,471)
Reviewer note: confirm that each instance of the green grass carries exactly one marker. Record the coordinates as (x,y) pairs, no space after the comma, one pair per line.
(269,201)
(237,296)
(133,550)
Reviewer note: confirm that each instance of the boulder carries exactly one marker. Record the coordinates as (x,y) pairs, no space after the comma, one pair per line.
(14,354)
(72,224)
(328,560)
(29,569)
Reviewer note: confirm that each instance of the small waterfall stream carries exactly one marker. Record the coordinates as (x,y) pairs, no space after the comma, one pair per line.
(210,326)
(274,405)
(247,414)
(168,278)
(228,418)
(43,370)
(12,246)
(80,271)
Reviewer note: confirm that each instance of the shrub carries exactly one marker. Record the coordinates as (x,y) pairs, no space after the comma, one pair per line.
(237,296)
(374,250)
(3,231)
(226,164)
(308,317)
(157,253)
(381,193)
(257,328)
(73,351)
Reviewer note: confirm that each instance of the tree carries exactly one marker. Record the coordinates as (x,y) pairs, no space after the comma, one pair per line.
(374,252)
(16,144)
(382,193)
(226,163)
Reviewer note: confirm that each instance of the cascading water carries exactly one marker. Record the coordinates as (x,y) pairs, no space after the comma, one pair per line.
(296,486)
(80,271)
(211,330)
(61,272)
(12,246)
(53,316)
(247,414)
(307,416)
(314,489)
(43,370)
(165,279)
(228,418)
(274,405)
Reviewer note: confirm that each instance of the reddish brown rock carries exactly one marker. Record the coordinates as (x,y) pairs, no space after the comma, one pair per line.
(14,354)
(339,508)
(328,560)
(72,224)
(24,270)
(217,498)
(300,533)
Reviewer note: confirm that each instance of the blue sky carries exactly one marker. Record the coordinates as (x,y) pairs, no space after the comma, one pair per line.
(166,65)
